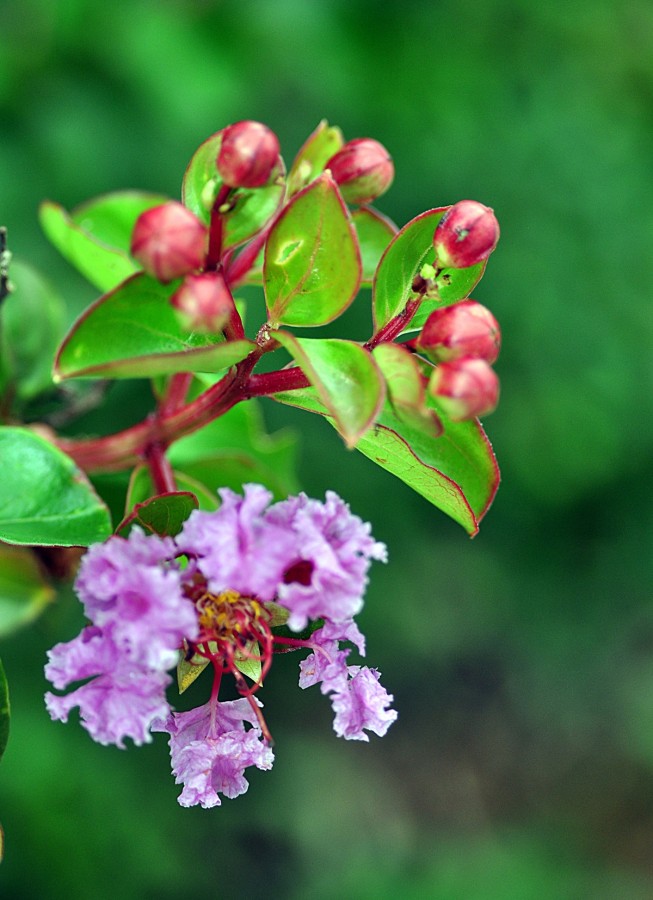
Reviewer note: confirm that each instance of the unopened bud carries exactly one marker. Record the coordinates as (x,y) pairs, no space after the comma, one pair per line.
(248,155)
(169,241)
(362,169)
(466,234)
(204,302)
(465,388)
(464,329)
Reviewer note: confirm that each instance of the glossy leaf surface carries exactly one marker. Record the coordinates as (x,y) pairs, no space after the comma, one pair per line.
(411,249)
(312,267)
(457,472)
(318,149)
(164,514)
(406,388)
(147,338)
(44,498)
(374,231)
(346,378)
(95,237)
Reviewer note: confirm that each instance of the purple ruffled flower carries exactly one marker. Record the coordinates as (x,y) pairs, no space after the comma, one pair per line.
(359,701)
(309,557)
(333,550)
(238,548)
(121,699)
(133,595)
(210,749)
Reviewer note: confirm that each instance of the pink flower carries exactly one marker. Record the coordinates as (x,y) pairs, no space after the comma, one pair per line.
(210,748)
(358,699)
(250,566)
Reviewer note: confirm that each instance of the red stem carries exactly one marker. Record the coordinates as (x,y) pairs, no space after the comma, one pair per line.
(160,469)
(396,325)
(216,230)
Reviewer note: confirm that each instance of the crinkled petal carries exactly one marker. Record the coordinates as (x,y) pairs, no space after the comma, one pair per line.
(338,546)
(91,653)
(130,585)
(115,706)
(238,548)
(362,704)
(210,757)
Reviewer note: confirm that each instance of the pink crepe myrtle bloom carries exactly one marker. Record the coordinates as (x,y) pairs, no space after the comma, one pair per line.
(218,592)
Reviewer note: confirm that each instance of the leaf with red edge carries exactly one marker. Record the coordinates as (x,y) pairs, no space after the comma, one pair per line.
(249,209)
(315,153)
(374,231)
(456,472)
(312,266)
(133,332)
(406,388)
(409,251)
(346,378)
(164,514)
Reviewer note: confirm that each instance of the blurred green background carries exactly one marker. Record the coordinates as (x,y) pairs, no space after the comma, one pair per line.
(521,765)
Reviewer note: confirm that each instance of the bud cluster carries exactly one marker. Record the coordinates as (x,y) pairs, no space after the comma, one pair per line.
(464,340)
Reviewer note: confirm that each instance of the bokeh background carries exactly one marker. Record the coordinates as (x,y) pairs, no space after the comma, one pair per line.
(521,765)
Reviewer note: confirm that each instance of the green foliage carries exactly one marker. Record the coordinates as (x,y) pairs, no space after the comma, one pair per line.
(313,156)
(24,590)
(409,251)
(248,209)
(345,378)
(31,325)
(163,514)
(456,472)
(236,449)
(44,498)
(147,338)
(96,236)
(312,267)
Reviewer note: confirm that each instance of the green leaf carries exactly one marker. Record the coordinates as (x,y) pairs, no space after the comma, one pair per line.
(5,710)
(31,325)
(146,338)
(235,449)
(375,232)
(457,472)
(141,489)
(24,592)
(403,259)
(44,498)
(312,266)
(249,662)
(188,670)
(251,208)
(314,155)
(164,514)
(346,378)
(96,236)
(406,388)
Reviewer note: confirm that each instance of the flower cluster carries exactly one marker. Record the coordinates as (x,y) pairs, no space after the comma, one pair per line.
(231,589)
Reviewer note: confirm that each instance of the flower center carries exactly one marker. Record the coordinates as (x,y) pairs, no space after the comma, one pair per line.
(229,618)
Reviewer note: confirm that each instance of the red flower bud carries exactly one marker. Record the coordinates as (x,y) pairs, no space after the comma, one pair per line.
(465,388)
(249,153)
(464,329)
(466,234)
(204,302)
(169,241)
(362,169)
